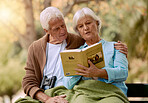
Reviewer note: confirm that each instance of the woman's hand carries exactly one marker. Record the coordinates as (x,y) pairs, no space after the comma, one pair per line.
(87,71)
(57,99)
(91,71)
(122,47)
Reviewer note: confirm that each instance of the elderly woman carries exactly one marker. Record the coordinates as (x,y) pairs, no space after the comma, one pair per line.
(115,72)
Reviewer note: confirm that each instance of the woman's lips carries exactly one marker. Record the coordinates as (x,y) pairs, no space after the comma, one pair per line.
(87,33)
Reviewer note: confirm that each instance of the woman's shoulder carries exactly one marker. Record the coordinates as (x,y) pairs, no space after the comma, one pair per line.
(109,46)
(81,47)
(110,42)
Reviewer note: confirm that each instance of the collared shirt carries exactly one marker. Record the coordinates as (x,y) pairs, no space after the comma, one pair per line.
(116,65)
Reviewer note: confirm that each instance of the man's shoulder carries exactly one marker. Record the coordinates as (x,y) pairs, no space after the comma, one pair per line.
(74,41)
(72,35)
(37,43)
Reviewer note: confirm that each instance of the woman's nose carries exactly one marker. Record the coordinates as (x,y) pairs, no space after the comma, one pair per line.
(85,27)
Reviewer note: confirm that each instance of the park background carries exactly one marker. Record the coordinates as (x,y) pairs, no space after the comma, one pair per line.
(124,20)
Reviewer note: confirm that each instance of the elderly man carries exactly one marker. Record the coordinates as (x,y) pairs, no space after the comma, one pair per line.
(44,56)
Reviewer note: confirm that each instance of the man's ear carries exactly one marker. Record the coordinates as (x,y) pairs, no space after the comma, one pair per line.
(97,22)
(45,30)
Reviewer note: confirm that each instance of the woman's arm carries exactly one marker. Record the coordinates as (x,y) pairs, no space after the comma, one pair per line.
(118,72)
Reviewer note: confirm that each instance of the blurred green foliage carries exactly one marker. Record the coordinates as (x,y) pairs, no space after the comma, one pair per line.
(12,61)
(11,75)
(135,28)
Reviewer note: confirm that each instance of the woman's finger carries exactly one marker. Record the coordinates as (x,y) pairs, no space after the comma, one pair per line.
(82,74)
(81,66)
(90,63)
(80,70)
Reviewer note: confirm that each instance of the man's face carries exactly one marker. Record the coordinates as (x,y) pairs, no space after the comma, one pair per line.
(58,31)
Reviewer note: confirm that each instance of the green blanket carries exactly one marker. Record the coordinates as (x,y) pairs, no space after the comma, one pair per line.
(88,91)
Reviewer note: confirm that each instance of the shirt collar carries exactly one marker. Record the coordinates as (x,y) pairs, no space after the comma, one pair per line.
(101,41)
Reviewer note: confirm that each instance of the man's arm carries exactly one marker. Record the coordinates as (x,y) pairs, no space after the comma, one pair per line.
(46,99)
(30,83)
(41,96)
(74,41)
(122,47)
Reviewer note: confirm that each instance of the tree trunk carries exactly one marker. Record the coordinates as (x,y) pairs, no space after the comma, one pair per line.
(30,34)
(68,8)
(10,99)
(47,3)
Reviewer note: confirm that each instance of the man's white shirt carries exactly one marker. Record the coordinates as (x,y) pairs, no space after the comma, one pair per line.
(53,65)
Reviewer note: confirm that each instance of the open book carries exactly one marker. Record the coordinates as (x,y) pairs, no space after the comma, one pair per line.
(70,58)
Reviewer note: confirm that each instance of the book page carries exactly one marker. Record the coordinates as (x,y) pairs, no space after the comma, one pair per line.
(70,58)
(71,50)
(90,46)
(95,55)
(70,61)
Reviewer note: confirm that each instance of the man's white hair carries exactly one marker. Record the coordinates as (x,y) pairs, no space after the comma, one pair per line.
(47,14)
(82,13)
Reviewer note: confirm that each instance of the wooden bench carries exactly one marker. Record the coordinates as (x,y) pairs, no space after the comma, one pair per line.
(137,90)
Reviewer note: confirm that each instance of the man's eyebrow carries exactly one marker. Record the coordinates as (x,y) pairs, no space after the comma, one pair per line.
(55,27)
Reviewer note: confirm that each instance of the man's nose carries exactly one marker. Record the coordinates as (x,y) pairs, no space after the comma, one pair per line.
(62,30)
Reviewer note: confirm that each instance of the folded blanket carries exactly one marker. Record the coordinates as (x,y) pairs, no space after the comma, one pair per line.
(87,91)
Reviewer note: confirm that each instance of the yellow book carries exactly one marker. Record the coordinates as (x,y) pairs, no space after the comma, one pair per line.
(70,58)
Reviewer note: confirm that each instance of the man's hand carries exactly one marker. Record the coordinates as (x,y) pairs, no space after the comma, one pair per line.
(122,47)
(91,71)
(57,99)
(47,99)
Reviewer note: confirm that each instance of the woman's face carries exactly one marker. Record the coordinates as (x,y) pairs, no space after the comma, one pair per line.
(88,28)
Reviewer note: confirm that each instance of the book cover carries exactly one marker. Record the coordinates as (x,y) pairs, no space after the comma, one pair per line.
(70,58)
